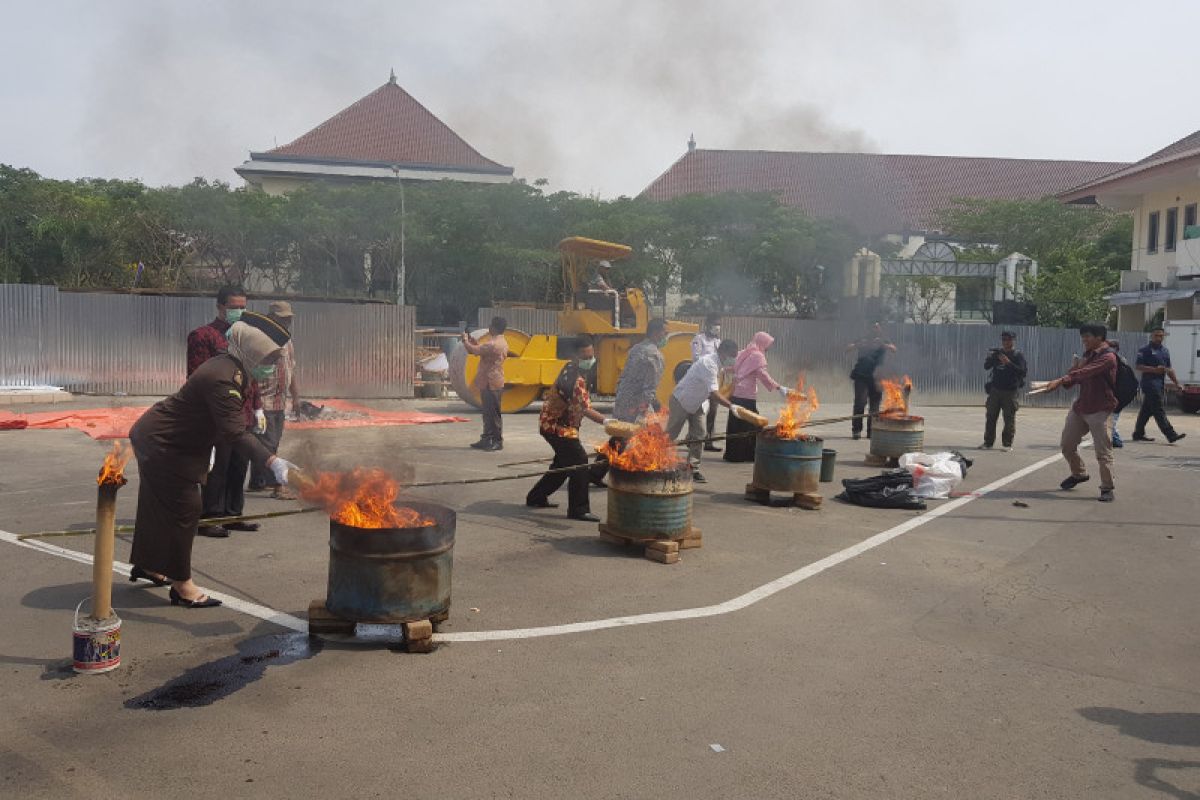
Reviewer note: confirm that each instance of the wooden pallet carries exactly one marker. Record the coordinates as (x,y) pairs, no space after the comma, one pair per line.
(874,460)
(418,635)
(664,551)
(806,500)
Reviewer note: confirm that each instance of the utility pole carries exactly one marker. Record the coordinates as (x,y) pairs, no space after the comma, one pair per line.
(400,270)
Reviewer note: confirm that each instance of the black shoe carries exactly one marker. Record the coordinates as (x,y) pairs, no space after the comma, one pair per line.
(1106,496)
(482,444)
(1118,443)
(492,447)
(698,478)
(1137,438)
(586,516)
(243,526)
(137,573)
(543,504)
(856,436)
(213,531)
(1071,482)
(204,601)
(599,483)
(1175,438)
(711,448)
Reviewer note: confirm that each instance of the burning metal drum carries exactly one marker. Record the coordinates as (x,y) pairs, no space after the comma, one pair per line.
(650,505)
(787,465)
(893,436)
(392,575)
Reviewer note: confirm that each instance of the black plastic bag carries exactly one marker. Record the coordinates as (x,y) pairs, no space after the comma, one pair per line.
(892,489)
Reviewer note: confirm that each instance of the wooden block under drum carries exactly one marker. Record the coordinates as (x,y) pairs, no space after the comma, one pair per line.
(874,460)
(321,621)
(612,538)
(693,540)
(418,636)
(661,557)
(663,546)
(810,502)
(757,495)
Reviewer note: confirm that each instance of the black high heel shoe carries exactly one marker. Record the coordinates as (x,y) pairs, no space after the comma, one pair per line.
(179,600)
(137,572)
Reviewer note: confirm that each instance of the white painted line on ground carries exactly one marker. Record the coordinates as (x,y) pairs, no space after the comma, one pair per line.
(121,568)
(736,604)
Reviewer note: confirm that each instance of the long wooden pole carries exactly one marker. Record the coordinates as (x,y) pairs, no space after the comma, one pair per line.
(102,560)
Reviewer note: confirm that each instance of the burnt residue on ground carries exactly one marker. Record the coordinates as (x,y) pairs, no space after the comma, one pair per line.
(216,680)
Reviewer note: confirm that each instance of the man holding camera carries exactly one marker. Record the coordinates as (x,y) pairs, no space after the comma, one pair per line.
(1008,368)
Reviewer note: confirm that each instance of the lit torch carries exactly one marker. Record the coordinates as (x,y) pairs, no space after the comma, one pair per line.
(108,482)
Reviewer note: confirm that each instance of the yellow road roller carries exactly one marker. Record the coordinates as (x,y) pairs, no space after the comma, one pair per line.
(615,319)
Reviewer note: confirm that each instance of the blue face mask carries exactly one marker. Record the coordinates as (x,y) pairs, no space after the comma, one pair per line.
(232,315)
(587,363)
(262,373)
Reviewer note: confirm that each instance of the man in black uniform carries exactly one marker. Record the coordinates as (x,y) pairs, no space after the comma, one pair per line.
(172,441)
(1003,390)
(871,350)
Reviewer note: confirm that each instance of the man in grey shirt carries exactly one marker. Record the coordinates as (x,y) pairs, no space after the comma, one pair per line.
(638,387)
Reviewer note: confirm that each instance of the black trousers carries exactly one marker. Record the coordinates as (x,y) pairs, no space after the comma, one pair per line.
(1001,400)
(225,490)
(260,476)
(866,393)
(1153,405)
(493,428)
(567,453)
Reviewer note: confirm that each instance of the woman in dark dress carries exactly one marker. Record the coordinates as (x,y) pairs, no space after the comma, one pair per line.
(172,441)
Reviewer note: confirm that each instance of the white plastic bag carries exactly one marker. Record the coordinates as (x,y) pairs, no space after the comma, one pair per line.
(934,474)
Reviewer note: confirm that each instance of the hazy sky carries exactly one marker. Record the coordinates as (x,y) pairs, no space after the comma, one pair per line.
(595,96)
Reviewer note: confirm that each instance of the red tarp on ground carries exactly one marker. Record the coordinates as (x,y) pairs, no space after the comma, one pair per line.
(114,423)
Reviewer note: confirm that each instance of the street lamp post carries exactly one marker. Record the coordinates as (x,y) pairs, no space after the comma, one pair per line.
(400,270)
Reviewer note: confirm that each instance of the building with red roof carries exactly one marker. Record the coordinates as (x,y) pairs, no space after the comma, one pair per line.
(1162,191)
(384,136)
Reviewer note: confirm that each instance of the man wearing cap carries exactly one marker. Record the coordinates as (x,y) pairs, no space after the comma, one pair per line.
(278,382)
(1008,368)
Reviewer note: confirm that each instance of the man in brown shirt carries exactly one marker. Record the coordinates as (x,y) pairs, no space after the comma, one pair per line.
(1096,376)
(489,381)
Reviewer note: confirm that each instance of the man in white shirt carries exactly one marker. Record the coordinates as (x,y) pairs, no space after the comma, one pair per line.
(699,384)
(705,343)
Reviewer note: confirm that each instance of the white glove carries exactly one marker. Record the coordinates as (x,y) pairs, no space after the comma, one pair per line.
(784,392)
(610,421)
(212,458)
(260,421)
(280,468)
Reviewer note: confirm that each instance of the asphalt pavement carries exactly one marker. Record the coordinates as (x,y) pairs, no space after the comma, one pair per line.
(1018,641)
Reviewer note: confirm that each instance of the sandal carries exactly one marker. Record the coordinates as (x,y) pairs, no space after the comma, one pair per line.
(136,573)
(203,601)
(282,494)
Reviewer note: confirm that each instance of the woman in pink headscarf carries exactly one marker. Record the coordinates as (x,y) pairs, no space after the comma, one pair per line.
(749,371)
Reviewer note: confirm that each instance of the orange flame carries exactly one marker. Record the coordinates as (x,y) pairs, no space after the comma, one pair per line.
(895,397)
(801,405)
(111,474)
(361,498)
(648,450)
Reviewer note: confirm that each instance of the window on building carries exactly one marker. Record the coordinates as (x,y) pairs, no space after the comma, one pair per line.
(1152,232)
(1172,232)
(1189,217)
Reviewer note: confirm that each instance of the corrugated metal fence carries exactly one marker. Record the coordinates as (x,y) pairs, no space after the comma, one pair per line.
(136,344)
(944,361)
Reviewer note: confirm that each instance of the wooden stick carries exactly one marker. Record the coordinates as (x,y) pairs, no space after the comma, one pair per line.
(102,560)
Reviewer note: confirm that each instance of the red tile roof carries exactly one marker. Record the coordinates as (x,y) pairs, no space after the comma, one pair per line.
(1182,150)
(388,126)
(876,193)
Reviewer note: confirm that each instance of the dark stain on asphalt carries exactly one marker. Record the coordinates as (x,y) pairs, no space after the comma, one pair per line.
(206,684)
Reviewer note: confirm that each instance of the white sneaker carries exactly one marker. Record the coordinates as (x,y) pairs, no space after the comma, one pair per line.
(1007,448)
(985,447)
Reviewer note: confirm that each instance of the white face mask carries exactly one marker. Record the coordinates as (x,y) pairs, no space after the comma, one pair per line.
(714,331)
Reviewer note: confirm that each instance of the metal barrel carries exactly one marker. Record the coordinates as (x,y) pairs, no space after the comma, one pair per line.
(650,505)
(892,437)
(392,574)
(787,465)
(828,462)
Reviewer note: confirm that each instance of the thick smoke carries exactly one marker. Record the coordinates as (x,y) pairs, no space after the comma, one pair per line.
(596,97)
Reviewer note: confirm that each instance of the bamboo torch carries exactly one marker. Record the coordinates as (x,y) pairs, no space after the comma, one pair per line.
(108,482)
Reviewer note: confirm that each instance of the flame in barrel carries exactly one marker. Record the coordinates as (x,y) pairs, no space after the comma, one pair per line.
(648,450)
(895,396)
(361,498)
(112,472)
(801,405)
